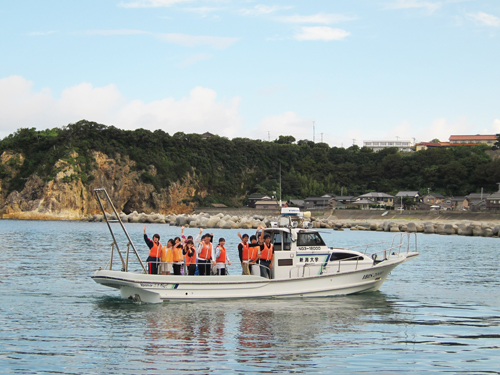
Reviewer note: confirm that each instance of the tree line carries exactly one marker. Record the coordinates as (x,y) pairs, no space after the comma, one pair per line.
(229,170)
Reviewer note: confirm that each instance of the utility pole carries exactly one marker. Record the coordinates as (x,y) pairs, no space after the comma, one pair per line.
(321,137)
(314,132)
(280,187)
(269,136)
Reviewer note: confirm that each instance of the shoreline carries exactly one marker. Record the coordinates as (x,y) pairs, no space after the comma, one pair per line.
(446,223)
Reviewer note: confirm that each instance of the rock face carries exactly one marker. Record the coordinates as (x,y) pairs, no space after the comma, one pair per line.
(63,195)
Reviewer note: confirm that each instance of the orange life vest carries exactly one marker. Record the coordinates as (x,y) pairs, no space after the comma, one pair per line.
(206,251)
(244,253)
(155,251)
(178,254)
(167,255)
(190,260)
(222,255)
(253,253)
(267,252)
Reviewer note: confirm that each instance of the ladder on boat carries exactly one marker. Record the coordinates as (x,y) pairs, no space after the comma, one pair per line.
(101,194)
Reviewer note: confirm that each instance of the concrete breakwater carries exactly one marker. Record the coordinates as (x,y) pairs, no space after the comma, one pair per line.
(226,221)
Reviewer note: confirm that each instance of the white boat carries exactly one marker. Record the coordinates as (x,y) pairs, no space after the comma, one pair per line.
(303,266)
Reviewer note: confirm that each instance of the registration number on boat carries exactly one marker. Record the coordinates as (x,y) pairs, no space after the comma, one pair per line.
(370,275)
(310,248)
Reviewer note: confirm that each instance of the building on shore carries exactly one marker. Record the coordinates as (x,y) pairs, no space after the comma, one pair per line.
(401,144)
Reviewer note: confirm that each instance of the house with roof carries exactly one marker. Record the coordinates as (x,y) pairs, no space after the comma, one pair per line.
(467,140)
(207,135)
(296,203)
(318,202)
(253,198)
(415,195)
(434,199)
(475,198)
(459,203)
(267,204)
(363,204)
(378,198)
(427,145)
(377,145)
(493,201)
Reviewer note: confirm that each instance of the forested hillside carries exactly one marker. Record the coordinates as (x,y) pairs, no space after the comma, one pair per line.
(225,171)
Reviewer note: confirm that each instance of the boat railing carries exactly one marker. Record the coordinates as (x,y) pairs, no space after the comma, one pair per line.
(101,191)
(304,267)
(400,240)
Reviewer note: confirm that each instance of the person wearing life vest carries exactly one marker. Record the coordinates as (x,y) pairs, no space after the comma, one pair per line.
(205,255)
(154,252)
(253,255)
(178,258)
(167,257)
(221,258)
(266,255)
(243,252)
(186,248)
(189,252)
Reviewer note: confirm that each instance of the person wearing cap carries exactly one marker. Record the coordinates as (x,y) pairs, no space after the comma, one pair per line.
(154,252)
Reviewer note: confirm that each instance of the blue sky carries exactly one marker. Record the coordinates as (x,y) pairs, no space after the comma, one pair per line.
(359,70)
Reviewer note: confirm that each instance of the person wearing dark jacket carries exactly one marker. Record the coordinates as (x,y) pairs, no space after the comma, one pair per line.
(154,252)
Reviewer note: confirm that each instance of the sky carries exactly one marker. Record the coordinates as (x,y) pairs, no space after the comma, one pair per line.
(333,71)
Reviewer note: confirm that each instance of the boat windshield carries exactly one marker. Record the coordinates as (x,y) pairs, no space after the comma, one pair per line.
(309,239)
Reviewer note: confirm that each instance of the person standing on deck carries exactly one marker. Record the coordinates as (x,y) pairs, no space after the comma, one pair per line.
(266,255)
(221,258)
(205,255)
(189,252)
(178,257)
(154,252)
(185,250)
(253,255)
(243,252)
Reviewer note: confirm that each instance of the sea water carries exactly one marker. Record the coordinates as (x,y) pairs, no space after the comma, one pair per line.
(439,312)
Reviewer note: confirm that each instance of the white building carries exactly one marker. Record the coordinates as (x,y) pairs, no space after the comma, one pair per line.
(401,144)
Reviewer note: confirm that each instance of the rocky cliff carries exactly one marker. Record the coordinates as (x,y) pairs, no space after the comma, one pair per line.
(63,195)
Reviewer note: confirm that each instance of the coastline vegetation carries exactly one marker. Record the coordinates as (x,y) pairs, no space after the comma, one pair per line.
(229,170)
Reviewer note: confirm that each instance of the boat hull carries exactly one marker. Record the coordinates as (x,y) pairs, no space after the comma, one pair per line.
(171,288)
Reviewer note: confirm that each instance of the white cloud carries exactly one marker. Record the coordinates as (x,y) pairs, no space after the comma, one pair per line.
(263,9)
(320,18)
(201,110)
(485,19)
(495,126)
(216,42)
(116,32)
(41,33)
(407,4)
(152,3)
(321,33)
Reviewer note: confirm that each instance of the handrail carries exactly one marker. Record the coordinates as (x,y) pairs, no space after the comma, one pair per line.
(130,243)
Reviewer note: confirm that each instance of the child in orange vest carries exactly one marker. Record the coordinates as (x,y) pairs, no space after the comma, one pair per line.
(221,257)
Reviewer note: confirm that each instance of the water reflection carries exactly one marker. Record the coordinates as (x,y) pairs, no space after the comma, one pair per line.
(246,335)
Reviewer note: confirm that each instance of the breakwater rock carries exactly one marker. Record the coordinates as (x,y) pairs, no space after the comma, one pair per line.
(227,221)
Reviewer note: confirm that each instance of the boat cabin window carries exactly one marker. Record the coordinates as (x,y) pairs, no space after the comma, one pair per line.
(281,240)
(309,239)
(344,256)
